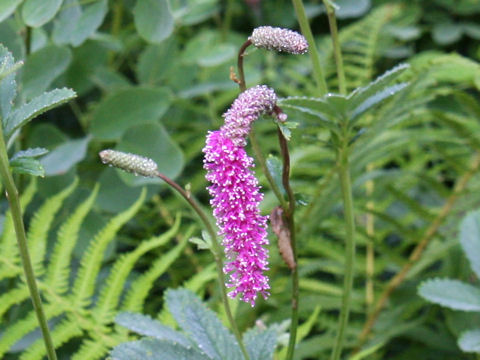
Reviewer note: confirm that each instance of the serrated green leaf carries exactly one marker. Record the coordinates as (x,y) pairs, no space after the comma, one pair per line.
(469,341)
(127,107)
(153,349)
(453,294)
(202,325)
(153,20)
(35,107)
(7,7)
(8,86)
(360,95)
(35,13)
(42,68)
(34,152)
(145,325)
(27,165)
(376,99)
(470,240)
(260,344)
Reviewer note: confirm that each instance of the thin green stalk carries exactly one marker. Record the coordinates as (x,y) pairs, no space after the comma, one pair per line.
(332,21)
(313,52)
(16,211)
(344,175)
(217,251)
(289,215)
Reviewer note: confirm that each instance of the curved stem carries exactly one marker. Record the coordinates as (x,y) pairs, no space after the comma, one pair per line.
(344,175)
(253,140)
(217,251)
(313,52)
(332,21)
(17,218)
(289,215)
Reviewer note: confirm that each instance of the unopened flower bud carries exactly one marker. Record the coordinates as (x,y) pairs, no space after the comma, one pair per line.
(274,38)
(132,163)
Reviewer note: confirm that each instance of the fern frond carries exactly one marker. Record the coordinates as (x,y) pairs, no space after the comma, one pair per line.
(142,286)
(9,256)
(92,260)
(62,332)
(40,225)
(58,270)
(12,297)
(91,350)
(360,44)
(198,281)
(110,293)
(24,326)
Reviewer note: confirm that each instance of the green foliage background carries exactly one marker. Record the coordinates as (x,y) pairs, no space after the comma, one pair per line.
(152,77)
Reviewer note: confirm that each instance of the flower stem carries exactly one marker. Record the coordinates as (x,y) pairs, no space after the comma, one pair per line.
(16,211)
(253,140)
(217,251)
(332,21)
(289,215)
(314,56)
(344,175)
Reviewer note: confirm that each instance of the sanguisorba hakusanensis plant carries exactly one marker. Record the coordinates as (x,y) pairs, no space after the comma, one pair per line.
(236,192)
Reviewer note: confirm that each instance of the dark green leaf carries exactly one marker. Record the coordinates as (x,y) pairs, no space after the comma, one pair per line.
(470,240)
(7,7)
(275,167)
(469,341)
(35,107)
(202,325)
(446,33)
(42,68)
(156,61)
(153,349)
(145,325)
(151,140)
(153,20)
(125,108)
(35,13)
(29,153)
(63,157)
(66,21)
(90,20)
(453,294)
(27,165)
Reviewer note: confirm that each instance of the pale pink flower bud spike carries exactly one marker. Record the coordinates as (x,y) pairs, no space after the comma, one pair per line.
(279,39)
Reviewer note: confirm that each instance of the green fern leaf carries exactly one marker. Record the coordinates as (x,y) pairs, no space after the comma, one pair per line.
(91,261)
(141,286)
(58,270)
(110,294)
(40,225)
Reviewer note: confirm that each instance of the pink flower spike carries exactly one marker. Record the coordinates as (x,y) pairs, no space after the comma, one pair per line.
(279,39)
(235,199)
(236,194)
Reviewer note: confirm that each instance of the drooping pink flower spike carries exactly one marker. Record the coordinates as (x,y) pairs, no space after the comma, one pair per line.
(279,39)
(236,194)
